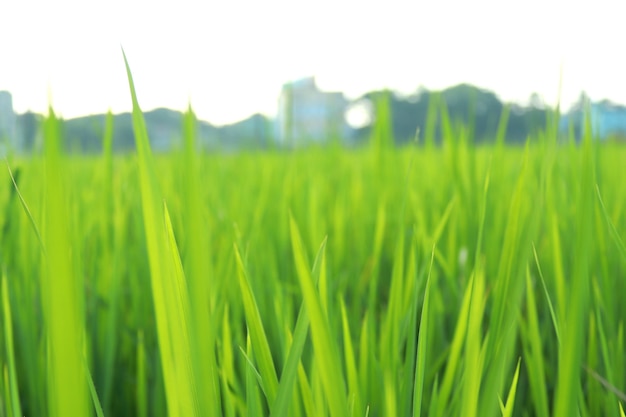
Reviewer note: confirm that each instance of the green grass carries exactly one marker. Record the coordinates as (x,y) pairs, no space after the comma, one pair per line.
(61,288)
(169,288)
(450,280)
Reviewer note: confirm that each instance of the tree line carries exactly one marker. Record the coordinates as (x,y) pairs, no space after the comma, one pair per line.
(478,109)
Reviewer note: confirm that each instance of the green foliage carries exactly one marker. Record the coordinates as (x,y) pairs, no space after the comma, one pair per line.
(448,281)
(481,111)
(61,288)
(169,287)
(13,407)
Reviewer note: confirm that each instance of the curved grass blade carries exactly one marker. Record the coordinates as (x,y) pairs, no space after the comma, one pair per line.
(141,393)
(169,290)
(280,405)
(326,354)
(474,360)
(454,358)
(606,384)
(548,298)
(61,289)
(26,209)
(258,338)
(199,272)
(614,233)
(422,344)
(253,399)
(14,398)
(93,392)
(507,410)
(351,370)
(533,353)
(568,395)
(180,302)
(306,393)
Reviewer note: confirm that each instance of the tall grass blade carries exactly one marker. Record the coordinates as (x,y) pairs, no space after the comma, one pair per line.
(94,393)
(26,209)
(326,354)
(454,357)
(198,269)
(351,369)
(568,391)
(141,393)
(533,352)
(555,322)
(258,338)
(473,359)
(253,400)
(606,384)
(62,289)
(507,409)
(109,283)
(168,292)
(422,344)
(614,233)
(13,399)
(290,370)
(180,303)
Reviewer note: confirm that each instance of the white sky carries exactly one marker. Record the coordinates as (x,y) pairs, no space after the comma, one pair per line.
(230,58)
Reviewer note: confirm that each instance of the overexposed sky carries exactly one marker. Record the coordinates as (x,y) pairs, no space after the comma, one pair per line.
(230,58)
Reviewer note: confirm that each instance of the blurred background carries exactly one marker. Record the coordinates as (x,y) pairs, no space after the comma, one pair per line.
(262,74)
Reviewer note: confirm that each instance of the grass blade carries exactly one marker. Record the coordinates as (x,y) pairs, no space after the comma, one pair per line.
(62,289)
(168,289)
(422,345)
(253,399)
(141,394)
(198,268)
(568,391)
(287,380)
(26,209)
(258,338)
(93,393)
(351,369)
(326,354)
(13,399)
(614,233)
(507,410)
(533,352)
(555,322)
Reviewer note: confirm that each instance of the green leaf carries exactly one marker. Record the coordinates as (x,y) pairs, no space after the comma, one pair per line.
(422,345)
(258,338)
(290,370)
(14,398)
(169,289)
(326,354)
(507,410)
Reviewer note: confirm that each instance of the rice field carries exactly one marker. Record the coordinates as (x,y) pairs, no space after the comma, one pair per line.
(450,280)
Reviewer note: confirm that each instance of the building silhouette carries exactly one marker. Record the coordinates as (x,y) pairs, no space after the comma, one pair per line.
(8,131)
(606,119)
(308,115)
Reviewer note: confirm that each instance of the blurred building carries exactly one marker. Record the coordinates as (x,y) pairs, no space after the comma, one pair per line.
(610,119)
(606,119)
(308,115)
(8,133)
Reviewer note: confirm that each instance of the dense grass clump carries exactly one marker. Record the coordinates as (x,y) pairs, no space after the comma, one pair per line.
(452,280)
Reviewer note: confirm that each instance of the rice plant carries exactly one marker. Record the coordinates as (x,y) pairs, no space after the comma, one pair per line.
(439,280)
